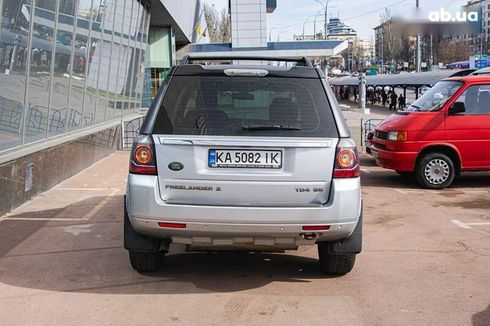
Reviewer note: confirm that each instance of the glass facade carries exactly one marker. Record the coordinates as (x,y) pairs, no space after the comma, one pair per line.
(161,43)
(66,65)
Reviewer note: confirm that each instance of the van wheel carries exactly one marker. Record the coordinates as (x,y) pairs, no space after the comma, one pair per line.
(435,171)
(335,264)
(146,262)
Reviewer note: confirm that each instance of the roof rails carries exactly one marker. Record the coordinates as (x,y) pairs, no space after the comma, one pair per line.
(189,59)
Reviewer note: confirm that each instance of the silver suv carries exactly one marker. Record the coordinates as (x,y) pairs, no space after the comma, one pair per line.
(244,157)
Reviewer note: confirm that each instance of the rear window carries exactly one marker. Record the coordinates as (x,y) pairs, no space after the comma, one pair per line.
(245,106)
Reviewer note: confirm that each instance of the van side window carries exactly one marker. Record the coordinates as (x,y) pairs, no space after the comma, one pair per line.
(476,99)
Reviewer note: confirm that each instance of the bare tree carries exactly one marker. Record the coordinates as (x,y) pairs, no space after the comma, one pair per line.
(218,24)
(451,50)
(225,27)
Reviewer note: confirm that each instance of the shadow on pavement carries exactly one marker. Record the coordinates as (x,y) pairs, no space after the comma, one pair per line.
(107,270)
(481,318)
(87,256)
(14,231)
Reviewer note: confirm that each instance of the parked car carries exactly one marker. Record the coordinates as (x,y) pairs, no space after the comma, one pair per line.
(244,158)
(439,136)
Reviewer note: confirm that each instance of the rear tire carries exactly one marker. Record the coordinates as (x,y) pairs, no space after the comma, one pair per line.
(435,171)
(335,264)
(146,262)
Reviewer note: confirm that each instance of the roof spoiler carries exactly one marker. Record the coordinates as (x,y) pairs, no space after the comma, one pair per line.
(189,59)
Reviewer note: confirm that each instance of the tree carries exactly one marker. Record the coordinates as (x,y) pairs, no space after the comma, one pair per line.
(218,24)
(452,50)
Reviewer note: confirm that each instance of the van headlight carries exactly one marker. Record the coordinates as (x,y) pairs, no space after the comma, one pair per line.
(397,135)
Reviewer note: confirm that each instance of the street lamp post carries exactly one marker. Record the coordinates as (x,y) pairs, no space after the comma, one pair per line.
(272,28)
(314,28)
(307,19)
(325,8)
(418,52)
(279,35)
(1,14)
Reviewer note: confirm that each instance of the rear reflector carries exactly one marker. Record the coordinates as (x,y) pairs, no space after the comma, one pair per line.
(172,225)
(316,227)
(347,173)
(142,169)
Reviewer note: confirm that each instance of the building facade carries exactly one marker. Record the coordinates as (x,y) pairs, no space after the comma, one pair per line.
(336,26)
(72,74)
(393,49)
(478,43)
(66,65)
(249,22)
(366,51)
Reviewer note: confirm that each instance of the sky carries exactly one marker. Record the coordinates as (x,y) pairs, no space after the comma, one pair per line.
(289,17)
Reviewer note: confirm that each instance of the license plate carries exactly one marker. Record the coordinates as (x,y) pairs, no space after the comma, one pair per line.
(237,158)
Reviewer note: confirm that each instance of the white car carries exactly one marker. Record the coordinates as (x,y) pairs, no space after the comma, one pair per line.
(236,157)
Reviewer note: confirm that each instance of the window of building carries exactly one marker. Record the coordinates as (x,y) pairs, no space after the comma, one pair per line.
(14,40)
(40,72)
(78,64)
(160,43)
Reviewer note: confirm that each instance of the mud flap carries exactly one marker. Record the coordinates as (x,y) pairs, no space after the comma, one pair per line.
(135,241)
(350,245)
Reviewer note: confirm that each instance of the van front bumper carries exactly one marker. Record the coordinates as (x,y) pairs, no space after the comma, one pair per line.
(398,161)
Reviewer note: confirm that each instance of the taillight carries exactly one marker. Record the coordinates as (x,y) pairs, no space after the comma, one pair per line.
(346,159)
(142,159)
(143,154)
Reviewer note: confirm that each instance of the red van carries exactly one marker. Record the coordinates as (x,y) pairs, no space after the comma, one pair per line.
(445,132)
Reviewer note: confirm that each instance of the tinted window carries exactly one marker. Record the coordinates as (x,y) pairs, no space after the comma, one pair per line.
(245,106)
(476,99)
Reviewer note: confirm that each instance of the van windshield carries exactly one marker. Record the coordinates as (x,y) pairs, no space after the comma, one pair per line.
(435,98)
(245,106)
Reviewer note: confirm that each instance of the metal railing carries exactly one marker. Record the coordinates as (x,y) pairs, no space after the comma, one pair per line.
(10,115)
(366,127)
(130,131)
(37,117)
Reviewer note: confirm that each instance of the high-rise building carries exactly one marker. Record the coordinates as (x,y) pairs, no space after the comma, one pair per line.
(478,43)
(336,26)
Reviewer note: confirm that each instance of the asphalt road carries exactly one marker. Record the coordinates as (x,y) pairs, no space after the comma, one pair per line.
(426,261)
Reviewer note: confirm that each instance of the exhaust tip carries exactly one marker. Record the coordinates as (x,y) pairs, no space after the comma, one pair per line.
(309,236)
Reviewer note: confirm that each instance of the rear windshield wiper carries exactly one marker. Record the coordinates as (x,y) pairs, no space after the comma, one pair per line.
(269,127)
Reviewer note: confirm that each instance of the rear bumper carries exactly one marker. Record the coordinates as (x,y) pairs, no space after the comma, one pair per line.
(222,234)
(399,161)
(228,225)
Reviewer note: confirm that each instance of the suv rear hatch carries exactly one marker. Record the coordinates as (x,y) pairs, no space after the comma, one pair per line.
(245,139)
